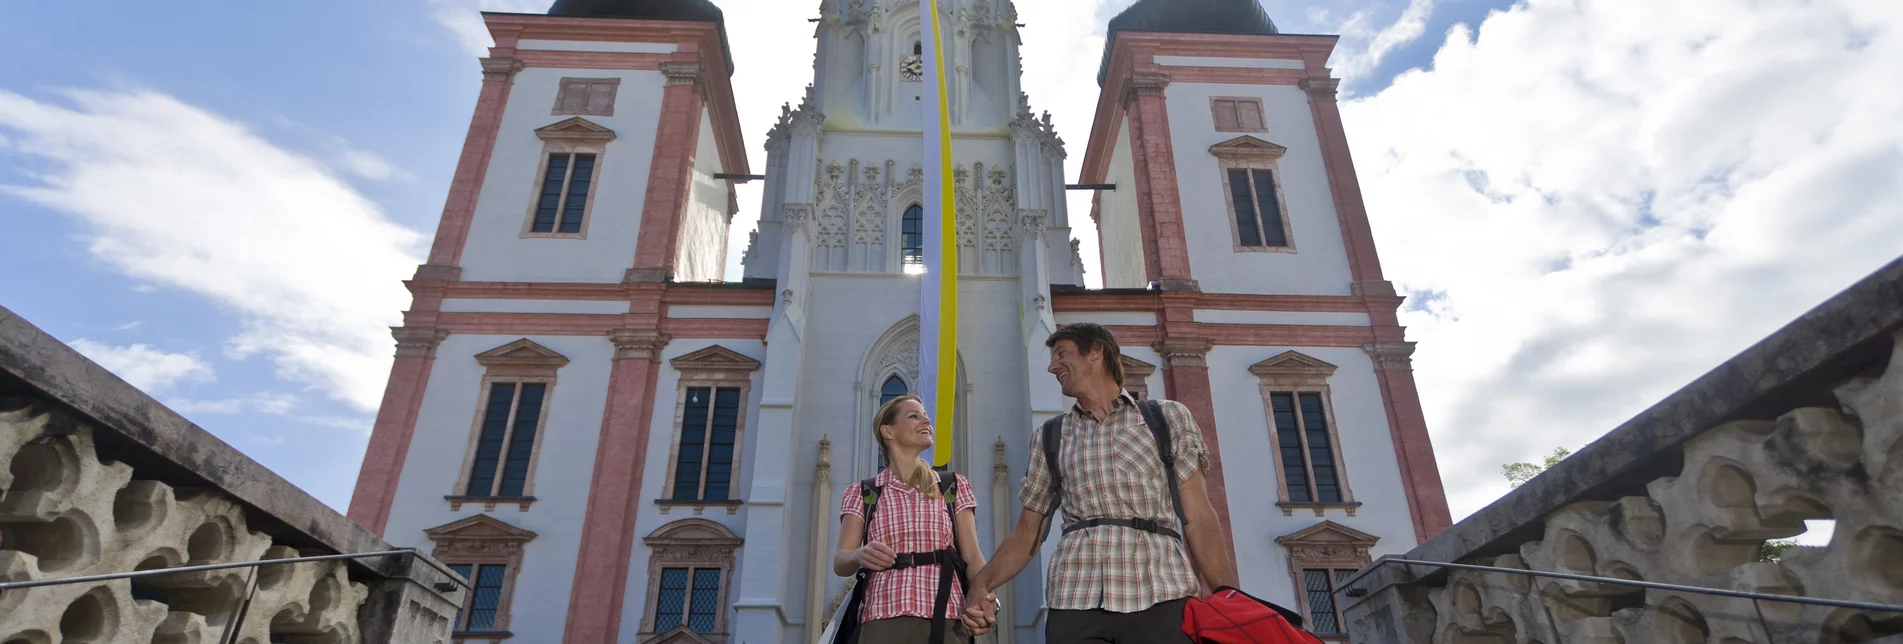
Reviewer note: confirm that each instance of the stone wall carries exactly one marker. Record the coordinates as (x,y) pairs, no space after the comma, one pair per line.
(1807,425)
(80,495)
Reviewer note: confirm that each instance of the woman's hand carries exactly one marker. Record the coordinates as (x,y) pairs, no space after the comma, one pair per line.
(877,556)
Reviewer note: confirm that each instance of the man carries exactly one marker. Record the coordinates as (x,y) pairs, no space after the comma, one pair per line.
(1111,582)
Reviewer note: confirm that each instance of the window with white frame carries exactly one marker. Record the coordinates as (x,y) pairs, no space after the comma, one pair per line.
(1307,445)
(1320,558)
(511,419)
(587,96)
(569,178)
(710,422)
(487,552)
(1237,114)
(1258,213)
(690,572)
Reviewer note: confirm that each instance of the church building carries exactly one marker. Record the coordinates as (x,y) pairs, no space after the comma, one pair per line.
(617,443)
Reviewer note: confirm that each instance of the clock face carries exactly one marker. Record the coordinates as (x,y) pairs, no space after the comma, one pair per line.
(912,69)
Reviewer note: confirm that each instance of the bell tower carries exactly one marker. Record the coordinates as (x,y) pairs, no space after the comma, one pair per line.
(869,63)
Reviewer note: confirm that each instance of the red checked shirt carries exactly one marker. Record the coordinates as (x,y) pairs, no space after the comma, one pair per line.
(1112,471)
(908,522)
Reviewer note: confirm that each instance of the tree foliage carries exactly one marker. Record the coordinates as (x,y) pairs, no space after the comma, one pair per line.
(1519,473)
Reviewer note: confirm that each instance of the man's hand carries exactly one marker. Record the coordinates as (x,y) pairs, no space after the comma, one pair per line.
(981,612)
(877,556)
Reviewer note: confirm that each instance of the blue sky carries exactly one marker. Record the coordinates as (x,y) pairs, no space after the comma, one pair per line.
(218,200)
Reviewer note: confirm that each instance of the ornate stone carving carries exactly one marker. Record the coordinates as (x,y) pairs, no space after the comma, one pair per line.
(682,73)
(418,341)
(635,344)
(1320,89)
(1184,352)
(903,357)
(1031,223)
(1293,369)
(1391,355)
(798,217)
(1145,84)
(500,69)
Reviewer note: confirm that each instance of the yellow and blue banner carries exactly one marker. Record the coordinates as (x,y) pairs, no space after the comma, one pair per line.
(938,311)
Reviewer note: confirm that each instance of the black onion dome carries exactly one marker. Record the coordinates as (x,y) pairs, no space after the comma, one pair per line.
(1190,17)
(695,10)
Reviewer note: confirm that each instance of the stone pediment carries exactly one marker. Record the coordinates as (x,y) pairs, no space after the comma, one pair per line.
(522,353)
(1292,366)
(680,635)
(716,358)
(1248,147)
(696,531)
(480,527)
(575,129)
(1328,533)
(1136,369)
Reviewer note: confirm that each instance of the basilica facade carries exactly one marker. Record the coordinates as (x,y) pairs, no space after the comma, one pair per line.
(618,443)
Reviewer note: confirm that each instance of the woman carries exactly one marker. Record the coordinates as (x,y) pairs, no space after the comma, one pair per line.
(911,532)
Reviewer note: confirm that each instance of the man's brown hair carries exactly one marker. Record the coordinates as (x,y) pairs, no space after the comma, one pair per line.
(1088,337)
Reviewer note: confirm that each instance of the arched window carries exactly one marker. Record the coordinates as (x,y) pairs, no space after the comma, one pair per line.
(918,48)
(912,246)
(893,388)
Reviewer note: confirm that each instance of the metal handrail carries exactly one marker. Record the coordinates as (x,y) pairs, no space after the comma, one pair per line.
(35,583)
(1813,601)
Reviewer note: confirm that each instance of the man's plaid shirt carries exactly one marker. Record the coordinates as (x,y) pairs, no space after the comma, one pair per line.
(1112,471)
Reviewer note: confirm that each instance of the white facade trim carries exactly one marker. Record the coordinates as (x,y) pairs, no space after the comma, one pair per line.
(1110,318)
(616,47)
(716,312)
(1243,63)
(1302,318)
(535,306)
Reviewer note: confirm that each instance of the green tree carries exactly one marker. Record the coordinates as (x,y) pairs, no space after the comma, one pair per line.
(1519,473)
(1773,550)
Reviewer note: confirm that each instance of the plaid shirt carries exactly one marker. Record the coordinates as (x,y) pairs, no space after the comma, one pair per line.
(908,522)
(1111,471)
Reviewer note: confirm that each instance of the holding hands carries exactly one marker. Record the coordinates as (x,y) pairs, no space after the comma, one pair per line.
(876,556)
(981,611)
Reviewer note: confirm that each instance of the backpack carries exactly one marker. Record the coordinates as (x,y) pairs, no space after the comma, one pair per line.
(950,564)
(1229,616)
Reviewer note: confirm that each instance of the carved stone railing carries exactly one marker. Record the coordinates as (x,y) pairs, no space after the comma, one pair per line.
(1806,425)
(97,479)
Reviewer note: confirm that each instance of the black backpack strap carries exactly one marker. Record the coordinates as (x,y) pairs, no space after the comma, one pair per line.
(869,491)
(1052,438)
(950,564)
(1166,450)
(848,632)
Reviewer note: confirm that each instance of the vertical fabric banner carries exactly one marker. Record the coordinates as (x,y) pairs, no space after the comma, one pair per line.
(938,310)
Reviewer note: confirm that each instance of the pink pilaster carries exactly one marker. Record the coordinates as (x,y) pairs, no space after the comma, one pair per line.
(1159,204)
(1186,380)
(1413,448)
(459,210)
(670,177)
(396,423)
(1357,235)
(614,497)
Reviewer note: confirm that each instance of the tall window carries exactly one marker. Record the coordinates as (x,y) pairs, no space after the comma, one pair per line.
(1308,456)
(488,552)
(709,425)
(912,242)
(1295,395)
(692,559)
(564,195)
(1258,211)
(573,149)
(679,603)
(1324,615)
(893,388)
(507,442)
(480,608)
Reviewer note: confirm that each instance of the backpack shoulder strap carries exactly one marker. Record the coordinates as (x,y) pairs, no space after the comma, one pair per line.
(948,492)
(1165,449)
(1052,436)
(869,491)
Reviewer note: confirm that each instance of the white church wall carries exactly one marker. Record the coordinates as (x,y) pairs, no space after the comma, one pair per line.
(1369,466)
(662,439)
(508,191)
(1320,264)
(1118,226)
(703,252)
(561,476)
(1109,318)
(1298,318)
(586,307)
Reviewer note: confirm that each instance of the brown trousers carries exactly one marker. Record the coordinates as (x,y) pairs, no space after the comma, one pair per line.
(907,630)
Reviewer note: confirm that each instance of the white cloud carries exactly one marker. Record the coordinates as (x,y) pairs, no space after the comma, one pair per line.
(276,404)
(1594,202)
(369,165)
(1364,43)
(178,196)
(463,18)
(149,369)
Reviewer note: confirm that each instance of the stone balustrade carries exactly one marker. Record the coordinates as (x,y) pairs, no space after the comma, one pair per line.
(1806,425)
(96,478)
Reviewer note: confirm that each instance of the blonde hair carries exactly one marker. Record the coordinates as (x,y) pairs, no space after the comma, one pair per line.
(923,479)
